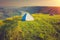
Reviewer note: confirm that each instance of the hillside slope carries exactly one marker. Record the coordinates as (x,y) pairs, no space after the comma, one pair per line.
(44,27)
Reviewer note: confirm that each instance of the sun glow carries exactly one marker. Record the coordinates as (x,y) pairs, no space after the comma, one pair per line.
(57,2)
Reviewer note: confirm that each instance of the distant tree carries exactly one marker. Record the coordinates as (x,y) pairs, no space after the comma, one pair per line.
(51,12)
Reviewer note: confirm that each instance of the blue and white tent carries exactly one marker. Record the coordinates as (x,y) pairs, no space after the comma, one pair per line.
(27,17)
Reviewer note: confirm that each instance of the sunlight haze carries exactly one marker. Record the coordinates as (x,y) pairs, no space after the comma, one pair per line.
(21,3)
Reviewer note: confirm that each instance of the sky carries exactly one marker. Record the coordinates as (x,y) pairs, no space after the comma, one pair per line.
(22,3)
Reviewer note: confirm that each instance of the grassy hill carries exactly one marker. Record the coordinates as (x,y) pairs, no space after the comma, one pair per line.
(44,27)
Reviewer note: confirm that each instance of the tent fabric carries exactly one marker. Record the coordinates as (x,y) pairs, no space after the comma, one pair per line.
(27,17)
(24,17)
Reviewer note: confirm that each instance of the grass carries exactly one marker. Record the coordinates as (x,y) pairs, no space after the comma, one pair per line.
(44,27)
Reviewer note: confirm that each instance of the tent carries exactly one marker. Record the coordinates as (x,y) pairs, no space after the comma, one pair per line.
(27,17)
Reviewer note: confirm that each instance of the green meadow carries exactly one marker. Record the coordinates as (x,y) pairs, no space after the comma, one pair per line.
(44,27)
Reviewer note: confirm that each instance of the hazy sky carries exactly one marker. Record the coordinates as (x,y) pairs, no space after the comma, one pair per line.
(20,3)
